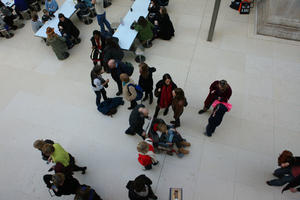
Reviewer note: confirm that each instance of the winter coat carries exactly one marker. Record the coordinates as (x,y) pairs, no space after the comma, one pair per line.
(130,186)
(121,68)
(112,53)
(144,33)
(69,28)
(166,29)
(129,91)
(58,45)
(149,157)
(159,85)
(102,41)
(21,5)
(69,186)
(137,119)
(219,110)
(147,84)
(178,106)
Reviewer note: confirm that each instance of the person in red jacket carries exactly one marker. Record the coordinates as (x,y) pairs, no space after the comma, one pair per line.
(218,90)
(146,154)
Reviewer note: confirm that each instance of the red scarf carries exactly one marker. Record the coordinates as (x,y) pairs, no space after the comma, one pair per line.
(166,96)
(98,43)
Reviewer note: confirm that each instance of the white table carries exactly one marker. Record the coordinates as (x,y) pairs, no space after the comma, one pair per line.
(124,33)
(68,9)
(8,3)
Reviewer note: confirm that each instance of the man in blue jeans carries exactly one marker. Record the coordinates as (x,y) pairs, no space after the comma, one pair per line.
(101,15)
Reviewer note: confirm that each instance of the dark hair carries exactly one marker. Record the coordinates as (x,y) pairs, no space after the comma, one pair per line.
(96,32)
(95,73)
(163,11)
(145,70)
(35,16)
(112,43)
(285,156)
(179,94)
(139,184)
(60,15)
(142,21)
(167,76)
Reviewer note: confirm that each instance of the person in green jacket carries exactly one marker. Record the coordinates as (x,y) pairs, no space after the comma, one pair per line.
(57,43)
(144,29)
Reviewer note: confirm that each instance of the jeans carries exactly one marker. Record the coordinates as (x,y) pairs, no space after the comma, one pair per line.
(102,20)
(284,176)
(210,129)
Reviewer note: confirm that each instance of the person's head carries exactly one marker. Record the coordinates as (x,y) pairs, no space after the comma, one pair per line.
(163,10)
(84,193)
(45,12)
(61,17)
(124,77)
(144,70)
(48,149)
(50,32)
(58,179)
(138,184)
(38,144)
(162,127)
(167,79)
(178,93)
(97,70)
(223,85)
(34,17)
(111,64)
(143,147)
(96,34)
(285,158)
(49,0)
(144,111)
(142,21)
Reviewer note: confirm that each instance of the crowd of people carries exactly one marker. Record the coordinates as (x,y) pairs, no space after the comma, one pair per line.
(107,56)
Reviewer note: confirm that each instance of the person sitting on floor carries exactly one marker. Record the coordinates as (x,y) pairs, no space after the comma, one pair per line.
(165,27)
(153,11)
(293,185)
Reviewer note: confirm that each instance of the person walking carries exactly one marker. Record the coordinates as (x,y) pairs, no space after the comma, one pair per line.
(218,90)
(215,119)
(98,84)
(137,120)
(101,16)
(178,104)
(163,92)
(146,80)
(57,43)
(140,188)
(38,144)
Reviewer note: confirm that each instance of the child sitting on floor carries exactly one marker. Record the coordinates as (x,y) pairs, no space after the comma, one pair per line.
(146,154)
(170,136)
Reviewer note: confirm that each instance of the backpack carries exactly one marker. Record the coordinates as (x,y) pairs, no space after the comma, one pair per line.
(129,68)
(139,91)
(244,7)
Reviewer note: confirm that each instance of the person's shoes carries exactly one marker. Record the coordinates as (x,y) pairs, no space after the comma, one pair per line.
(151,100)
(118,93)
(129,133)
(145,98)
(206,134)
(77,41)
(183,151)
(186,144)
(268,183)
(166,111)
(67,55)
(156,163)
(172,122)
(83,170)
(201,111)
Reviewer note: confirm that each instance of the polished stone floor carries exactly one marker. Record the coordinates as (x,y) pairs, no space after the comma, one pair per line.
(42,97)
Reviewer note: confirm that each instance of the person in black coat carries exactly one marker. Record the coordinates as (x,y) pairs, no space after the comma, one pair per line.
(112,50)
(292,186)
(61,184)
(163,92)
(137,120)
(98,44)
(215,119)
(146,80)
(117,68)
(140,189)
(153,11)
(68,29)
(165,27)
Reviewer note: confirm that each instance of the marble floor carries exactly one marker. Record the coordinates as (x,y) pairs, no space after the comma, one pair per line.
(42,97)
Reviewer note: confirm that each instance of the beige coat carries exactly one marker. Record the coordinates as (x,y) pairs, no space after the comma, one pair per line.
(131,91)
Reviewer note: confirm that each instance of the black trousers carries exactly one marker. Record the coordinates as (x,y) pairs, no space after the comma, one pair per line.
(210,129)
(98,96)
(73,166)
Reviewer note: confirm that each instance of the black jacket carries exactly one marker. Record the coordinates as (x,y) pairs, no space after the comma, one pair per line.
(147,84)
(137,119)
(293,184)
(121,68)
(69,28)
(130,186)
(113,51)
(160,84)
(70,185)
(94,44)
(220,111)
(166,29)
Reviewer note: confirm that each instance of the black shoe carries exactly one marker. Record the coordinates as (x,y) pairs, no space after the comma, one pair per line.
(172,122)
(130,108)
(145,98)
(118,93)
(176,125)
(268,183)
(201,111)
(156,163)
(151,100)
(107,4)
(83,170)
(166,111)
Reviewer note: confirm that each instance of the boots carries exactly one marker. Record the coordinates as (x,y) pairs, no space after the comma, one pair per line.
(83,170)
(166,111)
(183,151)
(176,123)
(146,97)
(156,111)
(185,144)
(151,98)
(202,111)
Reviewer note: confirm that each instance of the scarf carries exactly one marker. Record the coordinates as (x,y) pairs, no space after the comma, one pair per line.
(98,43)
(166,96)
(227,105)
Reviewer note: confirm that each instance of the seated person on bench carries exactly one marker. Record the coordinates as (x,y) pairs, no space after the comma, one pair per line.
(82,9)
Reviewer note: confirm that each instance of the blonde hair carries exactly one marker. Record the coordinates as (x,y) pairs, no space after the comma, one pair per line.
(124,77)
(143,147)
(38,144)
(48,149)
(162,127)
(58,179)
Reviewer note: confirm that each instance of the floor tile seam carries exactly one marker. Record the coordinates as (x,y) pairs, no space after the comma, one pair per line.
(160,173)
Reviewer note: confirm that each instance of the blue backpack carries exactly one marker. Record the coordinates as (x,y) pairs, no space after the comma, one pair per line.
(139,91)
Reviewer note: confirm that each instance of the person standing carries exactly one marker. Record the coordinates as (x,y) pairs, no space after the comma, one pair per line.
(218,90)
(140,189)
(146,80)
(129,91)
(98,44)
(38,144)
(215,119)
(101,16)
(68,29)
(163,92)
(137,120)
(117,68)
(98,84)
(178,104)
(57,43)
(85,192)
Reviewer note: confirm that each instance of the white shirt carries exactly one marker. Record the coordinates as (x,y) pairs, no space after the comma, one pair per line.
(99,7)
(98,84)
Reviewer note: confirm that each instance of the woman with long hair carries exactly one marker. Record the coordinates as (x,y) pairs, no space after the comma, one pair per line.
(146,80)
(178,104)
